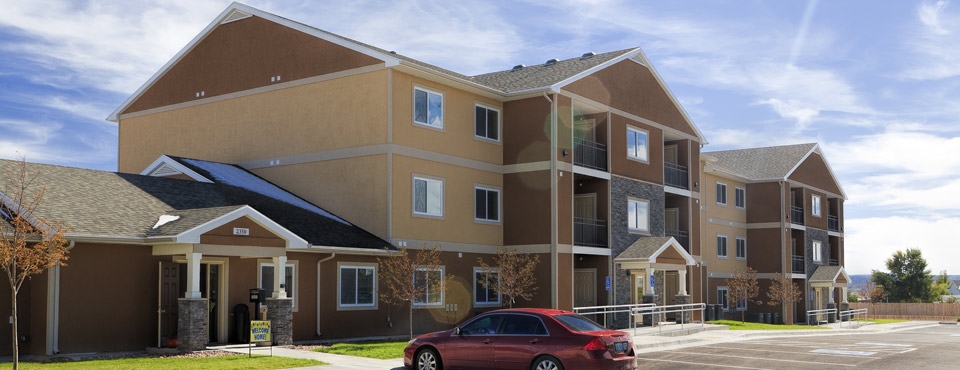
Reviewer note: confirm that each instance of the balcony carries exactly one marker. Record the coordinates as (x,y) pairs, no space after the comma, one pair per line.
(675,175)
(796,215)
(833,223)
(798,265)
(589,154)
(682,237)
(589,232)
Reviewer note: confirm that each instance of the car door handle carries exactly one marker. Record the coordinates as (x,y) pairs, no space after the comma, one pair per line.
(534,341)
(487,341)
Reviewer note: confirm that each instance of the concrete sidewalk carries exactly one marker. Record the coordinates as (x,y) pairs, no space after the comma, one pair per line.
(645,339)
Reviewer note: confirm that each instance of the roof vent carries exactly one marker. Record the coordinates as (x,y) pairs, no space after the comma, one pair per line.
(587,55)
(392,52)
(518,67)
(235,15)
(551,62)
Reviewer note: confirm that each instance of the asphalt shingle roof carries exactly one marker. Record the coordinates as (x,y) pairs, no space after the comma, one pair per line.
(825,274)
(543,75)
(643,248)
(766,163)
(110,204)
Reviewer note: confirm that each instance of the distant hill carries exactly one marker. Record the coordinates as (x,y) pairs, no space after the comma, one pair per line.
(857,281)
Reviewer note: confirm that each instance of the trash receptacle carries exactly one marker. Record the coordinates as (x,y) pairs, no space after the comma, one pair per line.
(241,324)
(710,313)
(776,318)
(719,311)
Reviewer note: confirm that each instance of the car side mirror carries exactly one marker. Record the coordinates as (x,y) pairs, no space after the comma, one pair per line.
(457,331)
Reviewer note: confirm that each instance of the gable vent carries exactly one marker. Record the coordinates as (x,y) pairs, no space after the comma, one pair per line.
(587,55)
(235,15)
(165,170)
(518,67)
(552,62)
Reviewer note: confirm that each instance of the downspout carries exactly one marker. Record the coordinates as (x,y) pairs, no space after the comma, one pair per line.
(553,201)
(783,250)
(53,312)
(334,254)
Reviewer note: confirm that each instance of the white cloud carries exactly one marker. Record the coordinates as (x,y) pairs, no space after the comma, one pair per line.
(870,241)
(936,49)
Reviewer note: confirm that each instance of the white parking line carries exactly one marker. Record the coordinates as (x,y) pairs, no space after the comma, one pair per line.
(769,359)
(843,352)
(772,351)
(703,364)
(884,344)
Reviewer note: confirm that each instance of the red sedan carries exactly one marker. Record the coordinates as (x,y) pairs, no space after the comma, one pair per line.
(525,338)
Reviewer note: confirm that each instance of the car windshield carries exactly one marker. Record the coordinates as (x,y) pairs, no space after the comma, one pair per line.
(578,323)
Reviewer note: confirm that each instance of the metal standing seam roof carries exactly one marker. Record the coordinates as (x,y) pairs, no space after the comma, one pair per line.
(110,204)
(775,162)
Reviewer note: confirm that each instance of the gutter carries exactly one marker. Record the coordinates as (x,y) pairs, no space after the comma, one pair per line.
(318,289)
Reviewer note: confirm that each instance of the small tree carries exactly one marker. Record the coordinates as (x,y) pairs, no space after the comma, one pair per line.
(411,279)
(515,274)
(907,278)
(29,244)
(784,293)
(743,287)
(940,287)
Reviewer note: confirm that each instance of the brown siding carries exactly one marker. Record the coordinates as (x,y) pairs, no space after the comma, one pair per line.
(602,265)
(243,55)
(564,129)
(631,87)
(565,281)
(819,222)
(526,131)
(259,236)
(814,172)
(108,296)
(565,208)
(526,208)
(763,202)
(652,171)
(765,250)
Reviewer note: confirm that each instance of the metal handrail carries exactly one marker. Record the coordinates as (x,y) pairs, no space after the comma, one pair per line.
(829,311)
(660,310)
(852,315)
(604,310)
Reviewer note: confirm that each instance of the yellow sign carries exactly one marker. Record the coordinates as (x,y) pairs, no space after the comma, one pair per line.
(260,331)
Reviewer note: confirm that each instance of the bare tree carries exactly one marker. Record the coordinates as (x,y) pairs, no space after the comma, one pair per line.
(411,279)
(784,293)
(29,244)
(743,287)
(514,273)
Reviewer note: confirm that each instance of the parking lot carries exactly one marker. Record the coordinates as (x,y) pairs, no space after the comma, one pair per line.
(920,348)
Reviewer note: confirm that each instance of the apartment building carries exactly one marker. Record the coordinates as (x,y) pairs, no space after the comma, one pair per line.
(776,210)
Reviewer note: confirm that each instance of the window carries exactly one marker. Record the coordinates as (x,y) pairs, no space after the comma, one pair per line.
(427,107)
(487,124)
(637,144)
(638,215)
(817,252)
(722,296)
(741,248)
(266,280)
(357,286)
(722,246)
(485,294)
(483,325)
(742,305)
(741,195)
(815,205)
(427,277)
(486,204)
(427,197)
(517,324)
(721,193)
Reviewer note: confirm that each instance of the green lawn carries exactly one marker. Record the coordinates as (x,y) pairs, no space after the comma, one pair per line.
(884,321)
(378,350)
(221,362)
(736,325)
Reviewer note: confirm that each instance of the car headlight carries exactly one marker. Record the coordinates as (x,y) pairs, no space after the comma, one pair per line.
(409,342)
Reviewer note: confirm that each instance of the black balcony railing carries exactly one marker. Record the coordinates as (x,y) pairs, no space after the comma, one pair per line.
(590,154)
(675,175)
(833,262)
(682,237)
(589,232)
(796,215)
(833,223)
(798,265)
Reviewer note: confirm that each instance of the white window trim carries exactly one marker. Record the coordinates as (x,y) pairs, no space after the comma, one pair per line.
(414,110)
(740,189)
(363,306)
(499,204)
(413,195)
(442,270)
(817,251)
(486,304)
(726,242)
(646,146)
(726,295)
(717,195)
(296,279)
(499,126)
(737,247)
(815,205)
(630,227)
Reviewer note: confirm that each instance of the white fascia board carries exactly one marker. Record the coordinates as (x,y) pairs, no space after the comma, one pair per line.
(347,250)
(440,77)
(193,235)
(164,159)
(676,245)
(816,149)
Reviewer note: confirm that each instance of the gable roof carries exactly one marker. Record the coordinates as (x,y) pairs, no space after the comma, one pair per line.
(773,163)
(830,276)
(106,206)
(647,249)
(505,84)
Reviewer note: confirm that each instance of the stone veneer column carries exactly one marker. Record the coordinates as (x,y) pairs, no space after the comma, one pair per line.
(684,299)
(653,319)
(192,330)
(280,314)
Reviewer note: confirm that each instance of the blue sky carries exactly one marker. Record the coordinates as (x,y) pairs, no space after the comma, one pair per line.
(877,84)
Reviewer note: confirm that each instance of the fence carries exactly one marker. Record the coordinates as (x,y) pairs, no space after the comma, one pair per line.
(911,311)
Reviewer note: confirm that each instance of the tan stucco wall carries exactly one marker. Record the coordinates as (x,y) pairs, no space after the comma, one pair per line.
(328,115)
(723,220)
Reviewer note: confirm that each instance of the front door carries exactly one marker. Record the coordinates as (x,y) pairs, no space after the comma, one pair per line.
(585,206)
(584,287)
(167,312)
(173,285)
(670,290)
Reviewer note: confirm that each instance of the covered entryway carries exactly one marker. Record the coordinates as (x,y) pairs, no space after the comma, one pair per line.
(659,266)
(828,283)
(173,276)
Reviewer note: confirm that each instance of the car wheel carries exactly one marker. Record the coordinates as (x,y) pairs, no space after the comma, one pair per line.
(547,363)
(427,359)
